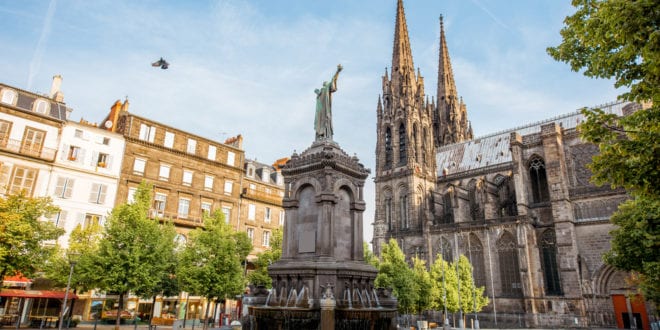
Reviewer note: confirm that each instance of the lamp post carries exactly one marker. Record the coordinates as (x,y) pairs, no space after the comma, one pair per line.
(72,257)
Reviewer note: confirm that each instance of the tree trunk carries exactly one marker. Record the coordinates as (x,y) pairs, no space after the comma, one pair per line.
(153,308)
(206,313)
(120,307)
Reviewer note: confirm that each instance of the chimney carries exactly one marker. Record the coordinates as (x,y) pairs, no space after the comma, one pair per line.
(55,92)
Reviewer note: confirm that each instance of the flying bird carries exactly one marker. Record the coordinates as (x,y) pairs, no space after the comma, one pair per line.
(160,63)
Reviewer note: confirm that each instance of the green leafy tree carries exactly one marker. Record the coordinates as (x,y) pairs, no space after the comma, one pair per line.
(23,232)
(260,274)
(131,253)
(619,39)
(394,272)
(424,285)
(444,286)
(472,297)
(210,263)
(369,256)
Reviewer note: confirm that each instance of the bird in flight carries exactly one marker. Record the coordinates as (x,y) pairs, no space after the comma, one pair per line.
(160,63)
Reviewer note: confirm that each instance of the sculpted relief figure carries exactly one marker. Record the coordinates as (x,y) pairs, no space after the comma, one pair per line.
(323,119)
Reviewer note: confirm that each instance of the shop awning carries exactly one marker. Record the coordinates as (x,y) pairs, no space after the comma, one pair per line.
(35,294)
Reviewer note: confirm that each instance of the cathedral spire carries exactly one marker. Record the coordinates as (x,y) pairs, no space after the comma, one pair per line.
(401,54)
(446,84)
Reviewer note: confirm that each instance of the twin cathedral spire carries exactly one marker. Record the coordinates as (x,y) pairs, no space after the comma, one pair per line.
(410,126)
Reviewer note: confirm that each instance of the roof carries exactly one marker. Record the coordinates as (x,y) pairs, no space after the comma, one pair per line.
(36,294)
(493,150)
(25,101)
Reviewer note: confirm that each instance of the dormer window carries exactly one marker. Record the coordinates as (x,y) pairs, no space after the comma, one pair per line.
(41,106)
(265,175)
(250,171)
(9,96)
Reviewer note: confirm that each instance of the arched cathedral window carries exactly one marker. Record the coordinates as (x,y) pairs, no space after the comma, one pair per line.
(539,180)
(424,144)
(476,256)
(403,202)
(549,258)
(475,195)
(414,143)
(403,153)
(506,196)
(509,269)
(388,148)
(445,250)
(388,213)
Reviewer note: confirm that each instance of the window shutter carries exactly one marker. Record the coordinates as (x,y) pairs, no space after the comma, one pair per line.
(94,193)
(95,158)
(59,188)
(81,156)
(102,193)
(64,152)
(108,162)
(152,133)
(68,192)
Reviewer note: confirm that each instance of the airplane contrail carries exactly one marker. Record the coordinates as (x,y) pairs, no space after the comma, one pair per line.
(35,64)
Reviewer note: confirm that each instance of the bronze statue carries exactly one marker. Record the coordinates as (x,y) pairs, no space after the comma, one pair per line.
(323,120)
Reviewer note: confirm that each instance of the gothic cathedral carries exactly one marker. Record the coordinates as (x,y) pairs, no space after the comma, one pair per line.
(517,203)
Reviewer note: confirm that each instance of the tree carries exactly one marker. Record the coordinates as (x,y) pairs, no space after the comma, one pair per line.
(210,263)
(260,274)
(132,250)
(424,285)
(472,297)
(444,286)
(23,233)
(621,39)
(394,272)
(369,256)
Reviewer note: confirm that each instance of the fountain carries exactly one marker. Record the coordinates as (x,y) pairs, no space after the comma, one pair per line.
(322,280)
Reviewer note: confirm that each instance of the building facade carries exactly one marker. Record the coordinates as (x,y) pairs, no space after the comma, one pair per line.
(517,203)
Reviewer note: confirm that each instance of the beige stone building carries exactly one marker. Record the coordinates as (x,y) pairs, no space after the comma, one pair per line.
(517,203)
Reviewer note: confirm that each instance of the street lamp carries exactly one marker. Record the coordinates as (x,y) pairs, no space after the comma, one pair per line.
(72,257)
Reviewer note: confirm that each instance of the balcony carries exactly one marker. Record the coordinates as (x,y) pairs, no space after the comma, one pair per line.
(16,146)
(189,221)
(271,198)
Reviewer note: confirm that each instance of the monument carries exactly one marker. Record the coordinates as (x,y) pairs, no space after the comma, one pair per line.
(322,281)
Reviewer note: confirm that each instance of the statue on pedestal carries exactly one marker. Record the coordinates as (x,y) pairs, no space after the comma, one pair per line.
(323,119)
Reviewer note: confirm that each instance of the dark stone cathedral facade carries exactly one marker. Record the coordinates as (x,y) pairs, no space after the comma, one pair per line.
(517,203)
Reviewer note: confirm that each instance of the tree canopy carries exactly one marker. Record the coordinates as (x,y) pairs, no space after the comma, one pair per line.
(620,39)
(260,274)
(23,232)
(394,272)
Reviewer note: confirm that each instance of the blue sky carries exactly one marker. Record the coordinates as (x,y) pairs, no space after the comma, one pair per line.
(251,67)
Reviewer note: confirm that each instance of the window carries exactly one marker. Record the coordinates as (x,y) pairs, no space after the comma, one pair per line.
(476,196)
(131,195)
(211,153)
(476,257)
(74,153)
(184,207)
(187,178)
(253,186)
(446,250)
(508,263)
(265,175)
(23,180)
(169,140)
(267,215)
(231,158)
(549,259)
(98,192)
(8,96)
(160,200)
(403,156)
(33,141)
(192,146)
(78,133)
(92,219)
(164,172)
(41,106)
(103,160)
(250,171)
(138,166)
(388,213)
(539,180)
(282,218)
(5,129)
(403,201)
(229,185)
(226,211)
(265,239)
(448,214)
(250,234)
(206,208)
(59,219)
(252,211)
(147,133)
(64,187)
(208,182)
(102,140)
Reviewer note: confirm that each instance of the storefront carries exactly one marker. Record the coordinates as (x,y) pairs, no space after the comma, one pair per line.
(38,308)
